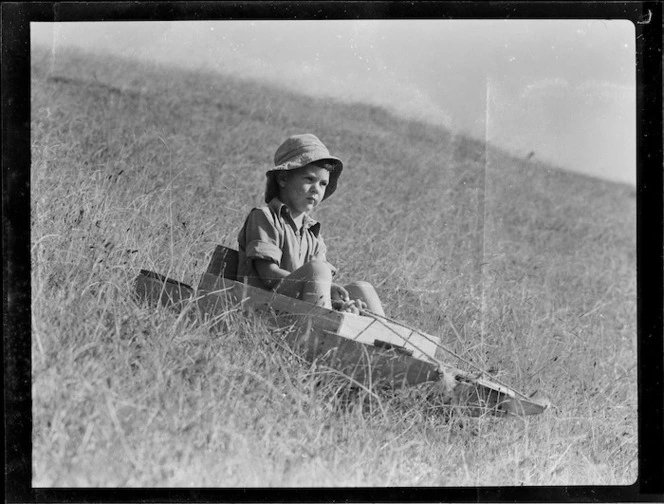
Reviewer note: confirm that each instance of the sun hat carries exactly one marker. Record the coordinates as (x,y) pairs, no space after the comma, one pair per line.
(298,151)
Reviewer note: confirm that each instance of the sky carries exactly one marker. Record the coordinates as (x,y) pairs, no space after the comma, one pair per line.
(562,89)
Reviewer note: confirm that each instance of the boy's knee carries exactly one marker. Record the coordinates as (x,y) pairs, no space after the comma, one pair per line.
(320,270)
(360,285)
(361,290)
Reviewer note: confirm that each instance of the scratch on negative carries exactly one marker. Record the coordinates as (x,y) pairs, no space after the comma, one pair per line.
(647,20)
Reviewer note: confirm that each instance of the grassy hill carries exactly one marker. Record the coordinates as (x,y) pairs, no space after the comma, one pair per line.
(517,266)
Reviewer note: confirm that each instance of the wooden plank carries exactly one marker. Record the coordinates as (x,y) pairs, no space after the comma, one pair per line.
(365,364)
(368,329)
(315,332)
(154,287)
(224,262)
(355,327)
(481,396)
(212,283)
(215,296)
(362,329)
(269,302)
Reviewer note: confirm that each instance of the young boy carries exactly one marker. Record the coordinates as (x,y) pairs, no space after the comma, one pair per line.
(280,245)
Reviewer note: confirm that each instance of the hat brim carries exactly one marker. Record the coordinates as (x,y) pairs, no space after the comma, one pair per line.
(272,187)
(306,158)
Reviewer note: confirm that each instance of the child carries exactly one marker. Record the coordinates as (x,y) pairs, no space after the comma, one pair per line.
(280,245)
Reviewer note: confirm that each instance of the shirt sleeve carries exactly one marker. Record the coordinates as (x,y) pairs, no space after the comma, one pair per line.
(262,237)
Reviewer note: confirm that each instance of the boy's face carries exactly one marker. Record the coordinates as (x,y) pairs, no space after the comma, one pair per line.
(303,189)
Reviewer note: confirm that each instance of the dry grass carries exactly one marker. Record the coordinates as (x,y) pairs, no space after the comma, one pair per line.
(526,269)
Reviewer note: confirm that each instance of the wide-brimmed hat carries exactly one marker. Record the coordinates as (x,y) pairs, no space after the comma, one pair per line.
(298,151)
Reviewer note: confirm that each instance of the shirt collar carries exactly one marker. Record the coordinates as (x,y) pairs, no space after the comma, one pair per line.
(308,223)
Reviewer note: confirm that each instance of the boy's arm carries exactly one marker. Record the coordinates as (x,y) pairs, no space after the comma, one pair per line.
(271,274)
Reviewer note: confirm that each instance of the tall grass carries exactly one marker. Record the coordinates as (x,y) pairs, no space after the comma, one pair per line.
(525,269)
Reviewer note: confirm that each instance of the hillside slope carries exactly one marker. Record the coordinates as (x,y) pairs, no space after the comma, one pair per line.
(517,266)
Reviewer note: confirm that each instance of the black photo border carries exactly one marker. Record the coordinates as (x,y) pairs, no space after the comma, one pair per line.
(16,18)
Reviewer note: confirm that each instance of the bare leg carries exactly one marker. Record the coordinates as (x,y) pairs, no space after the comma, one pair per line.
(366,292)
(310,283)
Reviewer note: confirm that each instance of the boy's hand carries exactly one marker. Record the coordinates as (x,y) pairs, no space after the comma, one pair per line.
(338,295)
(355,306)
(341,301)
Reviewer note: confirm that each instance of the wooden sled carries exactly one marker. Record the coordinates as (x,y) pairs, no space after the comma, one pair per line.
(370,351)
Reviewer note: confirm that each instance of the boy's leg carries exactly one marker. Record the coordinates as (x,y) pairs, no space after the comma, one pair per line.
(310,283)
(366,292)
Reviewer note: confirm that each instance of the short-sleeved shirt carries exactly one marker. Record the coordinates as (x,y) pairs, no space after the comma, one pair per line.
(270,233)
